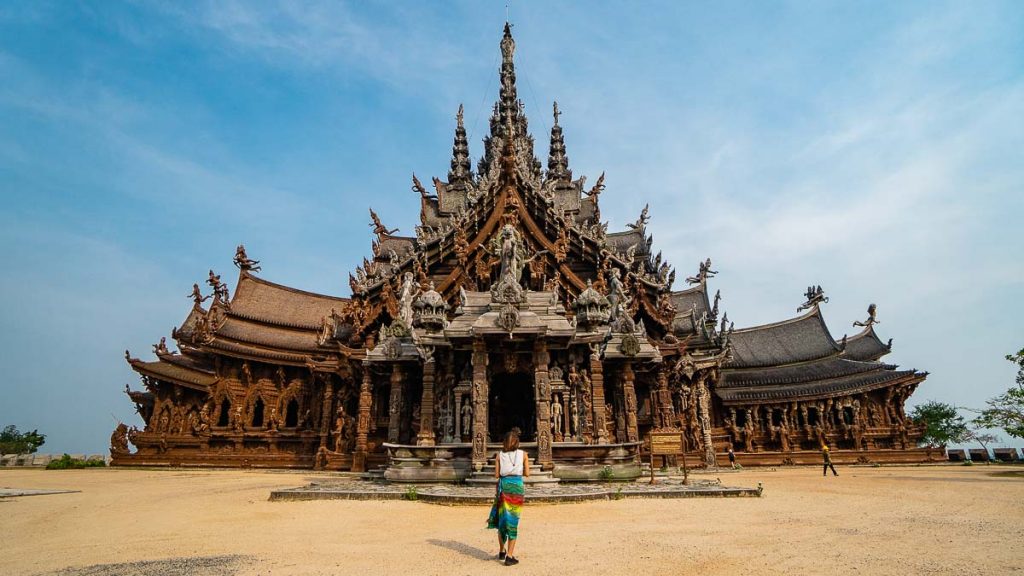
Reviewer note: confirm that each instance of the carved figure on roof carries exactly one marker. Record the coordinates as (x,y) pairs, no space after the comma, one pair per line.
(406,295)
(417,186)
(463,297)
(642,221)
(197,295)
(220,289)
(380,229)
(595,192)
(161,348)
(871,318)
(815,295)
(703,273)
(244,262)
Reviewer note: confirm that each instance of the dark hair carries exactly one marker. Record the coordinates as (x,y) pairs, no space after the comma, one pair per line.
(511,441)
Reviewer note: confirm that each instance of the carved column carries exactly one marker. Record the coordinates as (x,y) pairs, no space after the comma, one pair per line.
(426,432)
(597,394)
(457,413)
(666,411)
(395,405)
(542,396)
(704,413)
(629,398)
(325,411)
(479,396)
(363,421)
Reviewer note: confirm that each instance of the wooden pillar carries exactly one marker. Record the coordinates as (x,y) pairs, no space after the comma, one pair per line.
(666,411)
(629,396)
(426,431)
(597,394)
(704,413)
(542,397)
(479,396)
(363,421)
(325,411)
(395,405)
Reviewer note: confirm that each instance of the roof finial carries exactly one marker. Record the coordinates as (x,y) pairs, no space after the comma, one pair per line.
(461,167)
(558,162)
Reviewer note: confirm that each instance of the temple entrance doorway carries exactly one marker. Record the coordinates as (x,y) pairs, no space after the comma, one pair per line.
(511,404)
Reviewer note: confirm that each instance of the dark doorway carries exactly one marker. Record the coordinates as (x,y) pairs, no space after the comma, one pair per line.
(257,414)
(225,413)
(511,404)
(291,418)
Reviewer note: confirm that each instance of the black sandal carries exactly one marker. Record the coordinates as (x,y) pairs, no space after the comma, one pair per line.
(501,555)
(510,561)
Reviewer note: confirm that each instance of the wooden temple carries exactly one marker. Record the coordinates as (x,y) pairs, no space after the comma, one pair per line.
(512,306)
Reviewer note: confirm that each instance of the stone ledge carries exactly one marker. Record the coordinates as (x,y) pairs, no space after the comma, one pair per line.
(454,495)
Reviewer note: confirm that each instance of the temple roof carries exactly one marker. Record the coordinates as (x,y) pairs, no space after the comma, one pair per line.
(164,370)
(866,346)
(850,384)
(790,341)
(685,301)
(258,299)
(830,367)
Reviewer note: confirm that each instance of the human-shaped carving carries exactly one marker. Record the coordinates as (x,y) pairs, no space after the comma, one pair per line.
(119,441)
(164,422)
(406,296)
(617,298)
(220,290)
(205,421)
(197,295)
(703,273)
(871,318)
(467,417)
(748,433)
(161,348)
(380,229)
(244,262)
(238,419)
(192,425)
(511,253)
(556,419)
(784,436)
(273,420)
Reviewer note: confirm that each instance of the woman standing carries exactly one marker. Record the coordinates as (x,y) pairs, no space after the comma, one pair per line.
(510,465)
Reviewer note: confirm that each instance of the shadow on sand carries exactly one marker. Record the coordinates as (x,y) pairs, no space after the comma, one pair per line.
(461,548)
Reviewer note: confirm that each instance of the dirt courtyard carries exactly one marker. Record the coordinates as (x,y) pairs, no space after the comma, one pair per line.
(906,520)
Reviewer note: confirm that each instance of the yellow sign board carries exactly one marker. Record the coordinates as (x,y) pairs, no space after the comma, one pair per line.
(666,443)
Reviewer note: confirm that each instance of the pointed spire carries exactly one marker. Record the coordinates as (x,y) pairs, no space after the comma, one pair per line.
(461,167)
(508,105)
(558,162)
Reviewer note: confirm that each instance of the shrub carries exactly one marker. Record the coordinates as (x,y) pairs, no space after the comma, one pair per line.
(66,462)
(606,474)
(411,493)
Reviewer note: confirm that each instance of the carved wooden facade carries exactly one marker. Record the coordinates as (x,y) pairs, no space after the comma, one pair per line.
(512,306)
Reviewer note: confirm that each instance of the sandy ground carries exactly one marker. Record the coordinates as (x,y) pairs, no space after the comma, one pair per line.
(912,520)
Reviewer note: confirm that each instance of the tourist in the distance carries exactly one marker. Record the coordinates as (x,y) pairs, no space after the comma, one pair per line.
(827,458)
(732,458)
(510,465)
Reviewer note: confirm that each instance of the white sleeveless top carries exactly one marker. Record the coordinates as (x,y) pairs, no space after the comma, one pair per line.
(510,463)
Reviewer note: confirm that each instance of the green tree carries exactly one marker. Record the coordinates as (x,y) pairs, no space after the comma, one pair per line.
(1006,411)
(14,442)
(942,423)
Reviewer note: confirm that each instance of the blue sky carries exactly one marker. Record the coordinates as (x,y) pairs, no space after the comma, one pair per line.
(871,147)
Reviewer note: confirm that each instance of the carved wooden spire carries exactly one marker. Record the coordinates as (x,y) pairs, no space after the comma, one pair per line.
(461,166)
(558,162)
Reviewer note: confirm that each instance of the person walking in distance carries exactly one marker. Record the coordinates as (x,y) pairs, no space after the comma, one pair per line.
(732,458)
(510,466)
(827,458)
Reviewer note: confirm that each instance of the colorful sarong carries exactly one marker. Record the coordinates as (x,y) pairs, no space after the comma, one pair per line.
(508,504)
